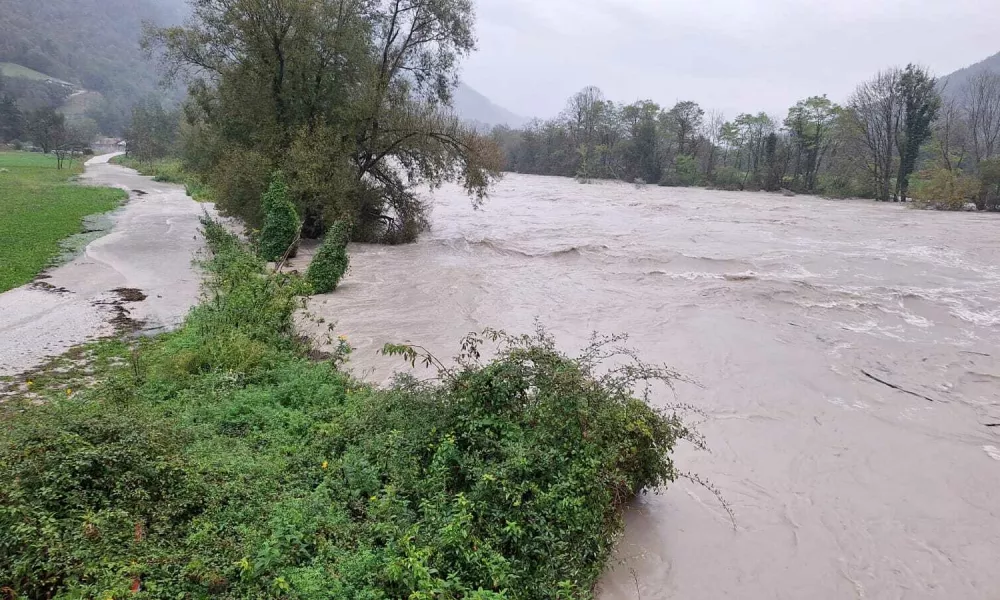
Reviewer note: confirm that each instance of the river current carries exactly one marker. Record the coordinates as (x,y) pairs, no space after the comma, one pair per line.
(794,315)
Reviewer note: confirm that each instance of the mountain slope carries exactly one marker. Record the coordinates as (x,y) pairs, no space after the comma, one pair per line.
(92,44)
(477,108)
(954,83)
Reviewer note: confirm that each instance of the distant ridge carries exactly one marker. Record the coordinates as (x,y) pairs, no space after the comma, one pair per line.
(952,84)
(477,108)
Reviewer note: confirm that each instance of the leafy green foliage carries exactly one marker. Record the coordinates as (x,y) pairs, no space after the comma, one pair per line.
(946,189)
(347,98)
(280,231)
(222,463)
(684,172)
(920,105)
(238,180)
(331,260)
(47,128)
(151,133)
(811,123)
(169,170)
(989,173)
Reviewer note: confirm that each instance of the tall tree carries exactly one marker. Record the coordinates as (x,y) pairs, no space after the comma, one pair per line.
(810,123)
(753,131)
(152,131)
(875,108)
(685,120)
(712,131)
(950,135)
(920,105)
(583,115)
(349,97)
(642,152)
(11,119)
(981,98)
(47,128)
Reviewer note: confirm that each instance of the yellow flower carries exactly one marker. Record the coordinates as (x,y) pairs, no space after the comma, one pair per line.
(325,464)
(30,383)
(69,392)
(342,338)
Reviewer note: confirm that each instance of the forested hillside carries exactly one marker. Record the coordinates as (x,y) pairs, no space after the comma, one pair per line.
(93,44)
(953,84)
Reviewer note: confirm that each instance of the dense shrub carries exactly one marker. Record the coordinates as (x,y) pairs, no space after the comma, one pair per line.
(944,189)
(193,473)
(238,180)
(331,260)
(834,185)
(727,178)
(87,486)
(281,223)
(989,174)
(682,172)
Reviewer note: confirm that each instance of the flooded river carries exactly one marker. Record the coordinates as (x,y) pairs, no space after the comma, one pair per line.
(787,311)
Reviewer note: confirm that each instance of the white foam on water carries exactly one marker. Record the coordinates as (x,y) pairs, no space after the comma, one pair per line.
(982,318)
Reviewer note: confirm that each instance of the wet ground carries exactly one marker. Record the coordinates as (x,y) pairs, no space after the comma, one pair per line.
(149,250)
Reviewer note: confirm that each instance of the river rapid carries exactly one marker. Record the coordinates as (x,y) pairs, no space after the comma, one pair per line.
(786,311)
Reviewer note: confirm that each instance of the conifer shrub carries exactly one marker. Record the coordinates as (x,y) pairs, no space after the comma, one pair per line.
(331,261)
(280,230)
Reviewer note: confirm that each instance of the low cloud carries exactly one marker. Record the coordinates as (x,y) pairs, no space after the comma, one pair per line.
(732,55)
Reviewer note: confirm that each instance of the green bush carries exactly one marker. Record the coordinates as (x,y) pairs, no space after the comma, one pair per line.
(989,176)
(943,188)
(727,178)
(87,487)
(682,173)
(331,260)
(274,476)
(238,180)
(280,230)
(834,185)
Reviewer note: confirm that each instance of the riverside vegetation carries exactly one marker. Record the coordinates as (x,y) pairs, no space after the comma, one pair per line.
(167,170)
(224,459)
(899,128)
(218,460)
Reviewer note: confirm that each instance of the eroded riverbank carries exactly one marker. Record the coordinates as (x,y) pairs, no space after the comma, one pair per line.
(842,486)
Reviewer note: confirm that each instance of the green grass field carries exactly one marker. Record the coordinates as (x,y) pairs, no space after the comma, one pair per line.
(15,70)
(39,207)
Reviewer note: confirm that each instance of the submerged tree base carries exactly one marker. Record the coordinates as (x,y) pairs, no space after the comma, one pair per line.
(219,460)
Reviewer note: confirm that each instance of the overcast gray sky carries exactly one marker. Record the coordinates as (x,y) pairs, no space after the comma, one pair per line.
(730,55)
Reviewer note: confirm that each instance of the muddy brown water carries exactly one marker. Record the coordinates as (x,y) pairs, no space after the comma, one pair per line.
(842,486)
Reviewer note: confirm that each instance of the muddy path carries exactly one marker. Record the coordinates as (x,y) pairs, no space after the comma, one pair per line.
(138,276)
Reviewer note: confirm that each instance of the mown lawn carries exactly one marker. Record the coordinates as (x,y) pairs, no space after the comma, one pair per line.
(39,206)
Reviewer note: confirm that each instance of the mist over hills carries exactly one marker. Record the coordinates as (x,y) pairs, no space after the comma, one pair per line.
(955,82)
(477,108)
